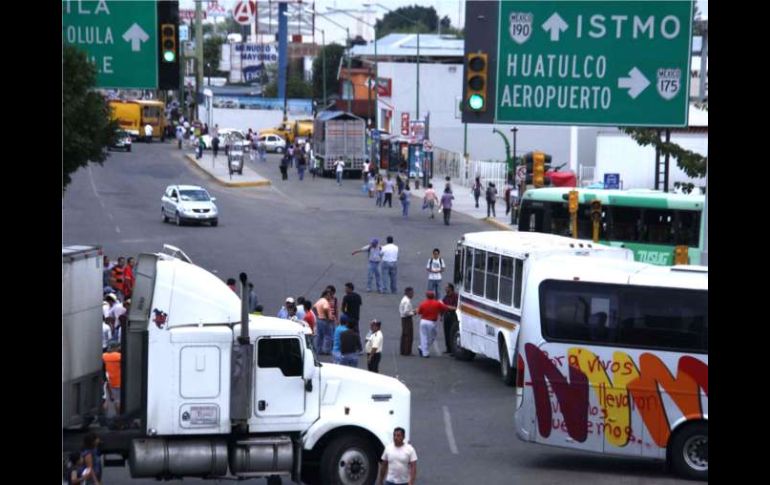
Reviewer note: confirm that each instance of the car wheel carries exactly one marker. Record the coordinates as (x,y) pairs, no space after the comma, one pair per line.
(163,213)
(506,371)
(214,222)
(128,149)
(278,150)
(689,451)
(178,219)
(457,350)
(349,460)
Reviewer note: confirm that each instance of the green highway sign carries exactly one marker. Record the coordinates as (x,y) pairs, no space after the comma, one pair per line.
(120,37)
(593,62)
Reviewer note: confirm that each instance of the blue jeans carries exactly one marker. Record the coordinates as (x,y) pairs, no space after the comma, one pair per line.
(435,286)
(323,336)
(389,272)
(301,172)
(339,178)
(349,360)
(405,209)
(374,270)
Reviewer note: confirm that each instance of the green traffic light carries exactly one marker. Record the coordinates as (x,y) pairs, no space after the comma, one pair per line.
(476,101)
(169,56)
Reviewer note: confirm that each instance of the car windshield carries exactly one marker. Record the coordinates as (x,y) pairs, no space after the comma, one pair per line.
(194,195)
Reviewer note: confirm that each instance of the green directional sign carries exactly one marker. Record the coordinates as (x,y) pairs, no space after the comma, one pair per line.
(120,37)
(594,62)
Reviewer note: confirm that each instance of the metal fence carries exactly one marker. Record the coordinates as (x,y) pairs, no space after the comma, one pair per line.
(452,164)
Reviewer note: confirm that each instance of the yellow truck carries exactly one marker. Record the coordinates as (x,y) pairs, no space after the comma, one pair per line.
(291,130)
(129,116)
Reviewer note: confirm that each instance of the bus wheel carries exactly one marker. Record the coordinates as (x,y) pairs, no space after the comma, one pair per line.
(457,350)
(506,371)
(689,451)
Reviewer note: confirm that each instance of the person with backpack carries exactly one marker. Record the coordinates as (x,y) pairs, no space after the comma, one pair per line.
(476,190)
(491,199)
(434,268)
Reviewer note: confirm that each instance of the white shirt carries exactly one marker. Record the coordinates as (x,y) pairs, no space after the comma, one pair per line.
(340,165)
(405,308)
(106,334)
(390,253)
(374,341)
(399,458)
(435,264)
(116,311)
(148,130)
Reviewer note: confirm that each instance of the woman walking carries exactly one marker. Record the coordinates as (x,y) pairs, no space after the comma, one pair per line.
(491,199)
(404,198)
(379,187)
(446,204)
(476,190)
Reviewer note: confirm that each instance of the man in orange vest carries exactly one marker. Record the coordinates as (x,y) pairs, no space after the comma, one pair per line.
(111,360)
(128,280)
(119,277)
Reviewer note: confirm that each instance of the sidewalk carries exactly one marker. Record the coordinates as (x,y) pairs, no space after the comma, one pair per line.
(217,169)
(464,203)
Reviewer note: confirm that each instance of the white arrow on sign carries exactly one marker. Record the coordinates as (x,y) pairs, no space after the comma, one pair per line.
(556,25)
(136,36)
(635,83)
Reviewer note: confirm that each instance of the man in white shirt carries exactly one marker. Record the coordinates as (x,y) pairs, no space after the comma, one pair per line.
(434,268)
(339,166)
(374,346)
(148,133)
(399,462)
(389,265)
(406,311)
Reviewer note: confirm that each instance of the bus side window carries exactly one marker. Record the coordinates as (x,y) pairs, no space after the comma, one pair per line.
(493,276)
(468,269)
(479,260)
(518,272)
(506,279)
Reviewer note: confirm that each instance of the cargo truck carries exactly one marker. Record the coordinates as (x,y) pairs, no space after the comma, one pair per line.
(340,135)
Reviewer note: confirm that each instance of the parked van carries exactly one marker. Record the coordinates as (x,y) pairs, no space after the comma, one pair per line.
(613,358)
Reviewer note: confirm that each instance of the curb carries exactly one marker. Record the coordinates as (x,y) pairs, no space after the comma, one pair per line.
(256,183)
(498,224)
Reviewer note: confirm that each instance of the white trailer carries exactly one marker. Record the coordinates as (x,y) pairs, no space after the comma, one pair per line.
(339,135)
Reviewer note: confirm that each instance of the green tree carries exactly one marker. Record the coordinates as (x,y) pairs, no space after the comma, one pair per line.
(426,17)
(296,87)
(87,130)
(212,52)
(333,54)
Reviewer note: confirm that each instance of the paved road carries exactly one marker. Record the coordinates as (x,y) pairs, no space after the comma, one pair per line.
(294,238)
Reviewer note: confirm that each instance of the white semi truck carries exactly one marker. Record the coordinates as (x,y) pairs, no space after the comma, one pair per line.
(204,395)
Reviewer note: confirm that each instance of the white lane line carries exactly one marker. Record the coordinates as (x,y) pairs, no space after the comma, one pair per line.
(117,229)
(450,436)
(93,186)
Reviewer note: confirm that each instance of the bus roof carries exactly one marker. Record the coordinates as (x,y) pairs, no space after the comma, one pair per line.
(565,267)
(149,102)
(632,198)
(523,243)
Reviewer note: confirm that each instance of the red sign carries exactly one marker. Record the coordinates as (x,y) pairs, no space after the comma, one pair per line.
(187,14)
(384,86)
(405,124)
(244,12)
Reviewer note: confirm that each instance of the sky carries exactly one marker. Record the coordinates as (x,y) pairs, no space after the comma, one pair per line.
(454,9)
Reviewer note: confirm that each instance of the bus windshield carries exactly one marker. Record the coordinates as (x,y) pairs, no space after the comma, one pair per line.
(650,223)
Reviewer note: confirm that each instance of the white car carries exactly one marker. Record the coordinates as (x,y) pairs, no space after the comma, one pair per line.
(188,203)
(223,133)
(273,143)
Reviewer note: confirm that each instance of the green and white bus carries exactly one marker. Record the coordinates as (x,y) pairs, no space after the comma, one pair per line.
(648,222)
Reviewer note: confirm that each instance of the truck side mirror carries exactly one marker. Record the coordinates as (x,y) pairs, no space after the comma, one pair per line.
(308,370)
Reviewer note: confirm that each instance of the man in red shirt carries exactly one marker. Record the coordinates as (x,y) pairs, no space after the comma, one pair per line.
(429,311)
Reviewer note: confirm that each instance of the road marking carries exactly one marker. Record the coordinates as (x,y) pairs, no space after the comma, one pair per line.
(450,436)
(117,229)
(99,198)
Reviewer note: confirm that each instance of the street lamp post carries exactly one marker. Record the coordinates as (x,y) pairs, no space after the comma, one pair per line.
(514,210)
(349,45)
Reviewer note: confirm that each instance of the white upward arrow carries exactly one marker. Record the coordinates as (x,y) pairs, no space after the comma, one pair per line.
(136,36)
(556,25)
(635,83)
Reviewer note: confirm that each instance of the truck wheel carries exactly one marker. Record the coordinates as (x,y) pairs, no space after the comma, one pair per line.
(457,350)
(348,460)
(506,371)
(689,451)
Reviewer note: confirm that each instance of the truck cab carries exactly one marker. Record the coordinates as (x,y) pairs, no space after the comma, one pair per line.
(253,400)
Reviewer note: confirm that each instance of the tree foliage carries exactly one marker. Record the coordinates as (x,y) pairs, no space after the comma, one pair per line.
(333,54)
(693,164)
(212,52)
(87,130)
(426,17)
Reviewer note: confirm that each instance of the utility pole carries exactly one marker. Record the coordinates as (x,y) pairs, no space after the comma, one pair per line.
(198,55)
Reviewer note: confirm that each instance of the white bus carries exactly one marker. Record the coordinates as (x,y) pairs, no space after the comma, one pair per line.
(490,268)
(613,358)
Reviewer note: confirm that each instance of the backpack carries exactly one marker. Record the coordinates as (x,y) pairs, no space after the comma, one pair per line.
(491,192)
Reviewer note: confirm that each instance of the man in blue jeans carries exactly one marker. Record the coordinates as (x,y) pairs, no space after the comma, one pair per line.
(434,268)
(389,265)
(375,257)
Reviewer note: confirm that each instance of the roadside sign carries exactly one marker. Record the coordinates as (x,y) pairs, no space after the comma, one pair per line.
(611,180)
(244,12)
(120,38)
(184,32)
(405,124)
(427,145)
(587,62)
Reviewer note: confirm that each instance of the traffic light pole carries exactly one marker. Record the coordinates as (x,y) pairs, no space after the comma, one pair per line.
(198,56)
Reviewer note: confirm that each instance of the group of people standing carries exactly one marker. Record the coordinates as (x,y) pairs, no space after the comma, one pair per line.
(302,155)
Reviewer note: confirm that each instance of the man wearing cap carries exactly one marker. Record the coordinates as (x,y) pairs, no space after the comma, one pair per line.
(429,311)
(284,311)
(375,257)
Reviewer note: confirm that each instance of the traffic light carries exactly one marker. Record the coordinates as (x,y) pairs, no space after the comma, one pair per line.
(476,82)
(573,201)
(538,169)
(168,42)
(681,255)
(596,210)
